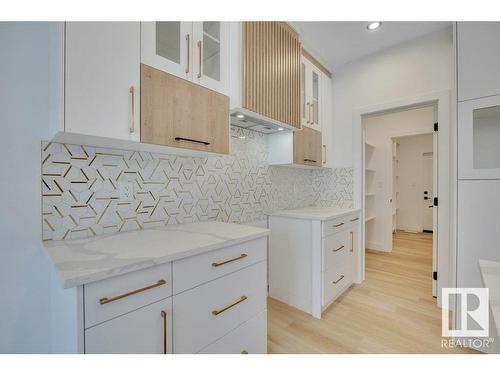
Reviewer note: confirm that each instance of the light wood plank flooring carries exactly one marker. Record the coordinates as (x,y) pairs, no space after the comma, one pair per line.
(392,311)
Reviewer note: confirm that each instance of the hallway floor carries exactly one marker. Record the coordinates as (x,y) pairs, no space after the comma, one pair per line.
(392,311)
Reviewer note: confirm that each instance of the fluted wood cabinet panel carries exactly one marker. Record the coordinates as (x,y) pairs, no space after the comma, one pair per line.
(178,113)
(271,71)
(307,147)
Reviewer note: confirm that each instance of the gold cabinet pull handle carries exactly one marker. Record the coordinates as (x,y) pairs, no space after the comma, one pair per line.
(338,249)
(217,312)
(199,60)
(340,278)
(132,104)
(338,225)
(308,112)
(229,260)
(188,42)
(324,149)
(310,161)
(106,300)
(352,242)
(165,340)
(355,219)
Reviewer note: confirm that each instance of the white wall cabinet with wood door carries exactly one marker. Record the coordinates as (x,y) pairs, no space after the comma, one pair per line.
(102,79)
(478,64)
(311,95)
(196,51)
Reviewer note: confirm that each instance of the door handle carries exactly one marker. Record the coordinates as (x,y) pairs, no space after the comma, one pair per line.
(188,42)
(132,105)
(199,60)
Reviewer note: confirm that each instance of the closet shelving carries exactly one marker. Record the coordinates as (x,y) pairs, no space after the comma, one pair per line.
(370,192)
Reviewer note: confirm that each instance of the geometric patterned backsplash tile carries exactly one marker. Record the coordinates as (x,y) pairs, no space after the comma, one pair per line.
(82,186)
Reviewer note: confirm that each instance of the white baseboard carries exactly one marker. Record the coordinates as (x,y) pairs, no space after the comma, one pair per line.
(377,246)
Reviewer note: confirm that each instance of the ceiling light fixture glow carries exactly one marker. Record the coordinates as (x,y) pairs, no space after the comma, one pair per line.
(373,25)
(280,129)
(240,116)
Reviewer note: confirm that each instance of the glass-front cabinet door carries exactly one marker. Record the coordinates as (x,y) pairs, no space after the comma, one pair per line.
(210,55)
(310,95)
(315,99)
(479,138)
(167,46)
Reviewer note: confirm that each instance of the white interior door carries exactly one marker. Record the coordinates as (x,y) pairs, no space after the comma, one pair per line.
(427,192)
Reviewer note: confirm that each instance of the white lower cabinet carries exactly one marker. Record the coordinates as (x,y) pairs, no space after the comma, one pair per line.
(249,338)
(220,308)
(208,312)
(312,261)
(145,330)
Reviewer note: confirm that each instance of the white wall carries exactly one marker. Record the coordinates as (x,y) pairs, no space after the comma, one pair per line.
(28,113)
(410,181)
(411,69)
(380,129)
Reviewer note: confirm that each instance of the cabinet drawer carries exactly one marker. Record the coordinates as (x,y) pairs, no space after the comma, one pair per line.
(338,224)
(142,331)
(335,281)
(196,270)
(249,338)
(118,295)
(335,249)
(206,313)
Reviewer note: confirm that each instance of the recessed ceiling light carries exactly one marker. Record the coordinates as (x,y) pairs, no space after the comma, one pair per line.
(280,129)
(241,137)
(239,115)
(373,25)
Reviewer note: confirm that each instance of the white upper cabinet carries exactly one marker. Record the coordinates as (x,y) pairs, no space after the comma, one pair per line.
(167,46)
(311,95)
(195,51)
(478,55)
(102,79)
(211,41)
(326,117)
(479,138)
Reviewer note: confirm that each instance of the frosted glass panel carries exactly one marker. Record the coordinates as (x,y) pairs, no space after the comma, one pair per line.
(168,41)
(486,135)
(211,50)
(315,98)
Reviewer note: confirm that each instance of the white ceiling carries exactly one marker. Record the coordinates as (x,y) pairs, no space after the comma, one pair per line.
(337,43)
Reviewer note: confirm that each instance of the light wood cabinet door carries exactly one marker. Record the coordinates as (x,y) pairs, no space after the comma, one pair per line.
(307,147)
(102,79)
(178,113)
(147,330)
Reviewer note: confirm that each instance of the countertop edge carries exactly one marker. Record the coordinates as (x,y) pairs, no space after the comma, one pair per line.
(312,217)
(102,275)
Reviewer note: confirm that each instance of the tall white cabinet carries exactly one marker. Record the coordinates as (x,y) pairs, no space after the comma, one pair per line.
(102,79)
(478,107)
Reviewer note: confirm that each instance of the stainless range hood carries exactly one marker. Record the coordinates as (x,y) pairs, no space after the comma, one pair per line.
(250,120)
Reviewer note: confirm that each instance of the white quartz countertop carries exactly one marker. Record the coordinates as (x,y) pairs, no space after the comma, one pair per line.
(316,213)
(91,259)
(490,272)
